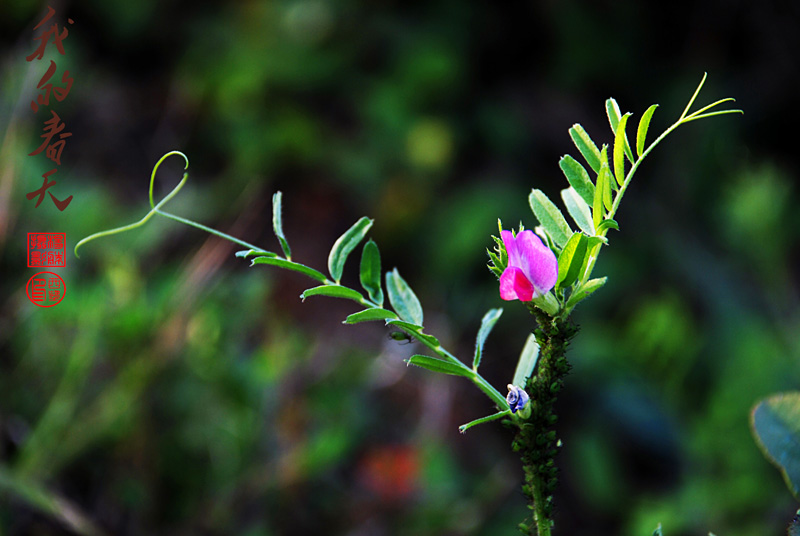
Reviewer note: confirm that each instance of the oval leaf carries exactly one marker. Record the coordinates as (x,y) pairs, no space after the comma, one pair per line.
(613,113)
(289,265)
(586,146)
(578,209)
(644,124)
(334,291)
(368,315)
(345,244)
(371,272)
(527,361)
(776,426)
(403,300)
(277,224)
(620,146)
(488,322)
(550,217)
(437,365)
(571,260)
(578,177)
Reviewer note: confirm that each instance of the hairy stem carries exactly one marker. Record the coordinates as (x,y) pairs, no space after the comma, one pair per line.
(536,440)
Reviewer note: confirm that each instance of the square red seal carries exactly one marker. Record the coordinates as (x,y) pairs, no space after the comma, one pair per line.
(47,250)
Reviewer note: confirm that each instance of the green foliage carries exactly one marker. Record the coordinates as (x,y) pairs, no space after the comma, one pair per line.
(775,422)
(487,323)
(403,299)
(277,224)
(368,315)
(345,244)
(370,272)
(571,260)
(438,365)
(334,291)
(550,217)
(527,361)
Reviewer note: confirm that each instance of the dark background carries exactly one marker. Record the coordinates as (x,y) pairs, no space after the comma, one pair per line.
(175,390)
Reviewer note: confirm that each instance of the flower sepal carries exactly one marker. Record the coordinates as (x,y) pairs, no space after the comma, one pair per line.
(547,303)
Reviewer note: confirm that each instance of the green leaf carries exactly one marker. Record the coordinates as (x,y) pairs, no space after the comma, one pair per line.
(245,253)
(527,361)
(585,290)
(277,224)
(403,300)
(578,209)
(607,224)
(775,423)
(658,531)
(416,331)
(371,272)
(571,260)
(613,112)
(550,217)
(334,291)
(620,149)
(499,415)
(368,315)
(289,265)
(641,132)
(586,146)
(578,177)
(488,322)
(438,365)
(607,181)
(345,244)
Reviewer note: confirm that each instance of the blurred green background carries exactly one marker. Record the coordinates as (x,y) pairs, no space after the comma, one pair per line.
(177,391)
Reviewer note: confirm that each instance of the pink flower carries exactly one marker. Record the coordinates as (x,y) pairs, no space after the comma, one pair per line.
(532,267)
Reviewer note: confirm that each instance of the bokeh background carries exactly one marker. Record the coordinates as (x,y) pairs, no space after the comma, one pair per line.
(178,391)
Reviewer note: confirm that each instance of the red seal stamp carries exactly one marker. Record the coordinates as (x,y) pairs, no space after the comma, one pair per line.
(47,250)
(45,289)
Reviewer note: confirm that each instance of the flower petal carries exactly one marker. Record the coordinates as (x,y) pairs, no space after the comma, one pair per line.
(537,261)
(515,286)
(511,248)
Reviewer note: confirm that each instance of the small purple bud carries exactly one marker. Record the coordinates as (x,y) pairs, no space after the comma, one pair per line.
(517,398)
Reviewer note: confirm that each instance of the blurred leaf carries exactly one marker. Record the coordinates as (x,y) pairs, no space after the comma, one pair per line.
(775,423)
(345,244)
(571,260)
(578,177)
(644,125)
(403,300)
(437,365)
(620,149)
(289,265)
(549,217)
(586,146)
(334,291)
(277,224)
(370,273)
(488,322)
(527,361)
(579,210)
(658,531)
(368,315)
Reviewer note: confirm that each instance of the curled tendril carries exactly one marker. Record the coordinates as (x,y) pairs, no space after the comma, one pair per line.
(153,207)
(156,209)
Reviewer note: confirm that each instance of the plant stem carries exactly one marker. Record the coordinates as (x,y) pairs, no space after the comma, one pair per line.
(536,440)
